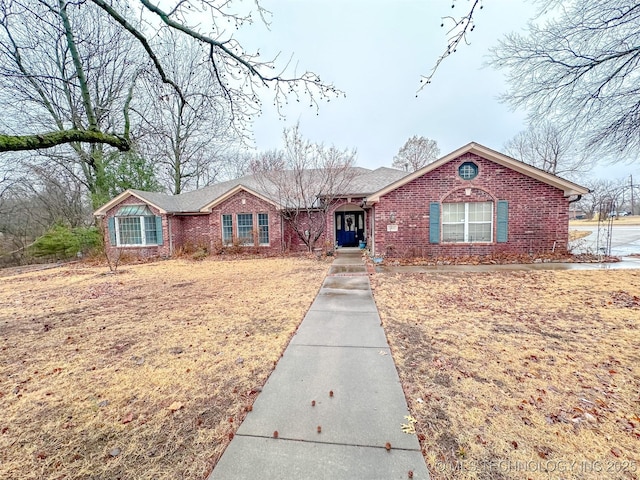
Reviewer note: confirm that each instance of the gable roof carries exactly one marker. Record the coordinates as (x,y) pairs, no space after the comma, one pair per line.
(364,182)
(156,200)
(233,191)
(569,188)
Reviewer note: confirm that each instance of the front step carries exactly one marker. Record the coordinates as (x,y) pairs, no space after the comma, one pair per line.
(348,262)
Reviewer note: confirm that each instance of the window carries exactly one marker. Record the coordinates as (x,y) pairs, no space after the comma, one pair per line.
(245,228)
(468,170)
(467,222)
(135,225)
(263,228)
(150,232)
(227,229)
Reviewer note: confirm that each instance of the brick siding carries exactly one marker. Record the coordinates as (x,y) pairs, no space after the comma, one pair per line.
(245,202)
(537,222)
(143,251)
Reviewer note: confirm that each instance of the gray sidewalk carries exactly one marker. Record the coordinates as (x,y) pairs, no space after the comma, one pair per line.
(340,347)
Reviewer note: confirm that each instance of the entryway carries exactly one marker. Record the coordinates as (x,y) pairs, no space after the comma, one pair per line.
(349,228)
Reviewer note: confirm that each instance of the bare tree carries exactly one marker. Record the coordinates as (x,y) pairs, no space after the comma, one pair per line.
(580,70)
(306,179)
(416,153)
(238,72)
(188,133)
(550,149)
(65,69)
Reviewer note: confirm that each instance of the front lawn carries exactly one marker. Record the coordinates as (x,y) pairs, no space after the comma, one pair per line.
(142,374)
(515,375)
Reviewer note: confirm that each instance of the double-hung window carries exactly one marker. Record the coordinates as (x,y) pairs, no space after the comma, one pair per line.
(263,228)
(245,228)
(467,222)
(135,225)
(227,229)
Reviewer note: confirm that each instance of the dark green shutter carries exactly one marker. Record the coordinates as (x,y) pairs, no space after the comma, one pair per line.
(434,222)
(502,215)
(159,229)
(112,230)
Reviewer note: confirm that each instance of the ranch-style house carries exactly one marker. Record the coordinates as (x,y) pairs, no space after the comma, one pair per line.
(473,201)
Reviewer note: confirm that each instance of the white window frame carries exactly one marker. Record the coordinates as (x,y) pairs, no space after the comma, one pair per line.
(466,222)
(143,233)
(268,242)
(240,237)
(228,241)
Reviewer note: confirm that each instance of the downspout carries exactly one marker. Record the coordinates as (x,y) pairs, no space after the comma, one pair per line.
(283,243)
(373,230)
(169,222)
(577,199)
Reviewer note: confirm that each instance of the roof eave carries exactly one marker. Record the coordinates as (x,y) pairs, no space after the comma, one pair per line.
(229,193)
(569,188)
(102,211)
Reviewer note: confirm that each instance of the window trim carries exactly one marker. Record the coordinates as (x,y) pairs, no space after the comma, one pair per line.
(143,231)
(251,240)
(260,227)
(466,222)
(229,241)
(462,166)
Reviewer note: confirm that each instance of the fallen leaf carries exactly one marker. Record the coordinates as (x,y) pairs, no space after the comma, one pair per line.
(409,428)
(128,418)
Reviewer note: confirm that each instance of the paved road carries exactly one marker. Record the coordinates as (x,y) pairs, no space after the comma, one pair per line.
(625,240)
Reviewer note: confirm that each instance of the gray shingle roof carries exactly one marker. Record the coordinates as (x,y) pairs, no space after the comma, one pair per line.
(364,182)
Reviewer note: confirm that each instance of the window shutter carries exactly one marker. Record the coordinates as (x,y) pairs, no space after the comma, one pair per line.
(112,230)
(434,222)
(502,215)
(159,229)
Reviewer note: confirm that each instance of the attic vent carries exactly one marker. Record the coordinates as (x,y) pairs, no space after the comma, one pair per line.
(134,211)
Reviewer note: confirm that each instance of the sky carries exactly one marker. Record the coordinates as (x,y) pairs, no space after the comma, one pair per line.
(376,51)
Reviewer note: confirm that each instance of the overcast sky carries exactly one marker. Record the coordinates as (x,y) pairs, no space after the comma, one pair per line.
(375,51)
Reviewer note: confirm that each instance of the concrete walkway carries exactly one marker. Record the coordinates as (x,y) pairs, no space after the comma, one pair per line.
(334,399)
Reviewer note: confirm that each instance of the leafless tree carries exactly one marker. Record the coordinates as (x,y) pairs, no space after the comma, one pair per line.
(239,73)
(579,68)
(416,153)
(64,70)
(187,134)
(236,163)
(550,149)
(306,178)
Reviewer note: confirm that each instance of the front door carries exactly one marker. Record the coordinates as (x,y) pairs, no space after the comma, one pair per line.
(349,228)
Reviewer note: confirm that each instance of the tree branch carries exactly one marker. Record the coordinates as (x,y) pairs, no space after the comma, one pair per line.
(143,41)
(14,143)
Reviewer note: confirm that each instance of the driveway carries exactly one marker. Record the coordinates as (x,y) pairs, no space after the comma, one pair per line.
(625,240)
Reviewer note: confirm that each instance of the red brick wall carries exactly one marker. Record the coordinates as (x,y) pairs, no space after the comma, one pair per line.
(244,202)
(190,231)
(142,251)
(538,213)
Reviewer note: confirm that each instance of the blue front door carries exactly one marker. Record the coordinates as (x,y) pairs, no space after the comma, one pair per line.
(349,228)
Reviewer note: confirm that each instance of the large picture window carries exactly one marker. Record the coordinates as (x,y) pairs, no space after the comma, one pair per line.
(245,228)
(263,228)
(467,222)
(136,225)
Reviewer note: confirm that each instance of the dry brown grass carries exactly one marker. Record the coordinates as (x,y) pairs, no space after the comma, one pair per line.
(578,234)
(512,372)
(142,374)
(630,220)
